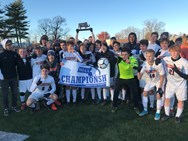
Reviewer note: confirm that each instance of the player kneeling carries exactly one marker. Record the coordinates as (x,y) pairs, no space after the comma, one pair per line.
(43,87)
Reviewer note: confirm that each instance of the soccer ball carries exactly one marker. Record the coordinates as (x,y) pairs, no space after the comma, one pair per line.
(103,63)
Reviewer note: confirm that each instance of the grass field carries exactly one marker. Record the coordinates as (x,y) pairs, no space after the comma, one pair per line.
(88,122)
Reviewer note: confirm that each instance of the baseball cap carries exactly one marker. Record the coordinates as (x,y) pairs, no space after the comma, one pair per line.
(51,52)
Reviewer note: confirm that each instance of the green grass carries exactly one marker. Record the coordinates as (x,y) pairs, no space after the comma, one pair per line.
(93,123)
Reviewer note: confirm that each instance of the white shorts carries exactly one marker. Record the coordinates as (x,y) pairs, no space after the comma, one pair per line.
(142,83)
(36,95)
(149,86)
(181,93)
(24,85)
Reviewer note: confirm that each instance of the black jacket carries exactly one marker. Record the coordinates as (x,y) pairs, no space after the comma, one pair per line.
(24,69)
(8,63)
(54,70)
(111,58)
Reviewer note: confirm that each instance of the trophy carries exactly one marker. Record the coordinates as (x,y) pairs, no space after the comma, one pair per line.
(83,27)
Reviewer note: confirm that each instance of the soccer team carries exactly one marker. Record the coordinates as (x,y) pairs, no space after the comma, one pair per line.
(154,70)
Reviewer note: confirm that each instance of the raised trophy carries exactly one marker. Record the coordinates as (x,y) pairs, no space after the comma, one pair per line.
(83,27)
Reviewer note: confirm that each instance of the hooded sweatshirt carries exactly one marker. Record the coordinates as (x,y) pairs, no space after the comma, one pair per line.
(8,62)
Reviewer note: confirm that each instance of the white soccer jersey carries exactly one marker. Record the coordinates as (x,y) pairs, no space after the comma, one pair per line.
(173,79)
(91,58)
(36,63)
(153,72)
(164,53)
(44,87)
(73,56)
(61,54)
(155,47)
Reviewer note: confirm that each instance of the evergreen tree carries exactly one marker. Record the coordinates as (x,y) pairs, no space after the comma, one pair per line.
(1,22)
(16,19)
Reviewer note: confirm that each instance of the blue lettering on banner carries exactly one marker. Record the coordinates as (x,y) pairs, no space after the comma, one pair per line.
(85,70)
(91,80)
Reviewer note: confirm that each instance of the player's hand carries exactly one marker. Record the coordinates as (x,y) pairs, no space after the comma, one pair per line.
(39,82)
(77,30)
(157,61)
(61,64)
(160,92)
(139,68)
(174,68)
(127,61)
(33,55)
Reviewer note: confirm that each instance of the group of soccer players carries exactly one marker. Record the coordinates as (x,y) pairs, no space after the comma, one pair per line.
(149,70)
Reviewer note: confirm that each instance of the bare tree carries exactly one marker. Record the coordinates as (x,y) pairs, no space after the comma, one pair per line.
(123,34)
(152,25)
(54,28)
(44,26)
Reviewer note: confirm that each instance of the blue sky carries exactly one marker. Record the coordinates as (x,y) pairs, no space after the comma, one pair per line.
(108,15)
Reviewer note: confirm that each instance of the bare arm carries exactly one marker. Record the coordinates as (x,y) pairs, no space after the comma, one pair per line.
(161,81)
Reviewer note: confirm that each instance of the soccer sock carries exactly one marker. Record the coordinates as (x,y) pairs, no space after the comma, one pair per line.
(104,93)
(162,100)
(120,95)
(167,110)
(68,96)
(82,93)
(159,105)
(179,112)
(74,93)
(50,101)
(172,101)
(112,94)
(99,93)
(93,93)
(145,103)
(123,94)
(22,97)
(151,99)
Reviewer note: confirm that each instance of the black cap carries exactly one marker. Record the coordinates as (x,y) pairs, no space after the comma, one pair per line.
(51,52)
(9,42)
(113,38)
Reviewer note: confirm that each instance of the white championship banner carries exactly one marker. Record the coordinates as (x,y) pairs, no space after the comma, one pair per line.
(81,75)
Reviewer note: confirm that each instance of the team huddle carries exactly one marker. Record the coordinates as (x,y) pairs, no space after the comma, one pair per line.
(145,72)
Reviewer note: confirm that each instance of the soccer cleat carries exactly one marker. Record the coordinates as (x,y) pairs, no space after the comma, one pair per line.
(6,112)
(38,106)
(23,106)
(172,113)
(82,101)
(157,116)
(99,101)
(165,118)
(137,110)
(128,102)
(15,109)
(178,120)
(123,102)
(152,110)
(113,109)
(104,103)
(143,113)
(58,103)
(74,104)
(93,102)
(33,110)
(53,107)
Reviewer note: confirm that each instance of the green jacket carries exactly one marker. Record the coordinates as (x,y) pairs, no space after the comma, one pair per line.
(126,71)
